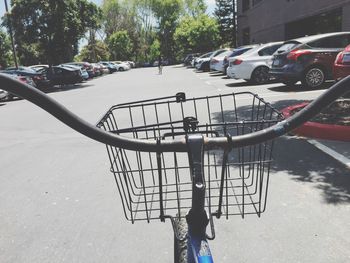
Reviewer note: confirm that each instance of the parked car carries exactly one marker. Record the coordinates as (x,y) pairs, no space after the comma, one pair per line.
(61,75)
(197,59)
(84,73)
(234,53)
(41,81)
(97,69)
(104,68)
(204,63)
(111,67)
(87,66)
(341,68)
(188,59)
(25,79)
(308,59)
(121,66)
(130,63)
(217,62)
(252,66)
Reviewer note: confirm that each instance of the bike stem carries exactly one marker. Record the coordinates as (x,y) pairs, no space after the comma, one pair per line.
(197,218)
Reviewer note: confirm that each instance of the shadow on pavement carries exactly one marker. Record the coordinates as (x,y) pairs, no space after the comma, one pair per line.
(58,89)
(298,88)
(239,84)
(302,161)
(216,74)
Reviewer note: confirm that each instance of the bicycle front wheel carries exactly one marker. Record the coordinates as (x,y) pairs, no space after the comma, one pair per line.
(180,246)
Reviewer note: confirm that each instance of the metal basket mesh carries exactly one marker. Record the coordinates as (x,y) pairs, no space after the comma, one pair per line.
(151,188)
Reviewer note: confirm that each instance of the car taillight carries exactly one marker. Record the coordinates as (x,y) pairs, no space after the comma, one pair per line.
(237,62)
(23,79)
(339,58)
(295,54)
(343,58)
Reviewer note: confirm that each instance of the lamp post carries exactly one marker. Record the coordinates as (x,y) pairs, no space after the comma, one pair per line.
(11,35)
(234,6)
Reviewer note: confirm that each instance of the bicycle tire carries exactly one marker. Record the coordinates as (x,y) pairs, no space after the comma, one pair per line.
(180,246)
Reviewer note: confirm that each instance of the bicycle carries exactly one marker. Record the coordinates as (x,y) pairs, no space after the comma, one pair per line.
(226,171)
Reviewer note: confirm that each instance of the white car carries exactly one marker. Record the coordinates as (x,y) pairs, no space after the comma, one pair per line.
(121,66)
(204,63)
(217,62)
(253,66)
(200,60)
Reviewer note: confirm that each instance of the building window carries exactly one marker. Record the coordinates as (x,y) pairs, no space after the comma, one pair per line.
(245,5)
(323,23)
(256,2)
(246,36)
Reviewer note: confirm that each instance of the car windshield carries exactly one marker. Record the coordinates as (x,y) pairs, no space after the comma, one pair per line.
(218,52)
(226,53)
(240,51)
(252,50)
(287,47)
(206,55)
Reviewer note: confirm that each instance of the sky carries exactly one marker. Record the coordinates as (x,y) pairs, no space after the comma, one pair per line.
(210,3)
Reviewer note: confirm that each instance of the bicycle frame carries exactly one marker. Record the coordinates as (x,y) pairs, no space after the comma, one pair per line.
(198,250)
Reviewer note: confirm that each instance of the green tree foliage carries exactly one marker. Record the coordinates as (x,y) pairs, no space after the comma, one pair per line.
(93,52)
(225,14)
(48,31)
(199,34)
(122,15)
(195,8)
(167,13)
(120,45)
(154,50)
(5,50)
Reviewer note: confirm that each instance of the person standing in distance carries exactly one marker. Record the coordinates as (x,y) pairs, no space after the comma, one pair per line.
(160,65)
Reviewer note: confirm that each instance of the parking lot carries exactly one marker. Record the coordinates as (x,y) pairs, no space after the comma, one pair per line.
(59,202)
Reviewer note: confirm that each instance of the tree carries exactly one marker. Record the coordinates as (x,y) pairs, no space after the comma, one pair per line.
(124,15)
(225,13)
(195,8)
(48,31)
(5,50)
(167,13)
(199,34)
(154,50)
(120,45)
(93,52)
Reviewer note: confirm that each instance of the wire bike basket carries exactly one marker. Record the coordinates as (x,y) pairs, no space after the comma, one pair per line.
(158,185)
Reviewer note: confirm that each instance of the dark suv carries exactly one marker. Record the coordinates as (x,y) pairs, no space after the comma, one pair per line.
(308,59)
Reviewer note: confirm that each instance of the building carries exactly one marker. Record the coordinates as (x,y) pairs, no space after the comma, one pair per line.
(261,21)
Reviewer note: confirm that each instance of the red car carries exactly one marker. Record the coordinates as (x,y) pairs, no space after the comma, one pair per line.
(341,67)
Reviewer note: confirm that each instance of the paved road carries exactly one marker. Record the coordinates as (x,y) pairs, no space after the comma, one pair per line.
(59,202)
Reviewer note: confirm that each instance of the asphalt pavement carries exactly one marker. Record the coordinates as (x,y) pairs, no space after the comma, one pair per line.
(59,202)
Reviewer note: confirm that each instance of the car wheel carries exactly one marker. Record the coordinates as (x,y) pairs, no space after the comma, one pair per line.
(313,78)
(121,69)
(260,75)
(9,97)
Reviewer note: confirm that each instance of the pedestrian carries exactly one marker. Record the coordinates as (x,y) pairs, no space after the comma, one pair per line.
(160,65)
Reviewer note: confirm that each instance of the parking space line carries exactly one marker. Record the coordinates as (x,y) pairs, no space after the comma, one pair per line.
(337,156)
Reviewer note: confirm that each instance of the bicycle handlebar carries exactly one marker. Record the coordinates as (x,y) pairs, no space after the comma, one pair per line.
(177,145)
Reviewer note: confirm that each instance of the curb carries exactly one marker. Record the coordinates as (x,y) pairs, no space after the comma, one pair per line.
(319,130)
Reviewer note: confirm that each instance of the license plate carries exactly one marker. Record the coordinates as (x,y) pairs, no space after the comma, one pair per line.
(276,62)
